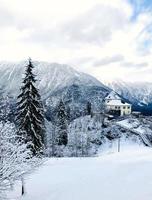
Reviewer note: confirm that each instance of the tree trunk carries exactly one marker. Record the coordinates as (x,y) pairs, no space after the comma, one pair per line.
(23,186)
(119,144)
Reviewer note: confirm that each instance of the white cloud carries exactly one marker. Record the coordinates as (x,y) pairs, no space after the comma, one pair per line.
(83,33)
(108,60)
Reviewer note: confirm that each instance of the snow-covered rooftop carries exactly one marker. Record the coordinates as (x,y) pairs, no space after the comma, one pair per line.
(114,99)
(117,102)
(113,95)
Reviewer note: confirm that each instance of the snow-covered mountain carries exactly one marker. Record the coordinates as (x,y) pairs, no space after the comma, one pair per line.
(56,82)
(138,93)
(51,77)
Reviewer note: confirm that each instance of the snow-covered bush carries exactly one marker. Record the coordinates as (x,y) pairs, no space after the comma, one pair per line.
(84,136)
(113,132)
(52,147)
(15,157)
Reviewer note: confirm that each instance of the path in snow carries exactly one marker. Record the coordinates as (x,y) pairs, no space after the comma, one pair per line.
(119,176)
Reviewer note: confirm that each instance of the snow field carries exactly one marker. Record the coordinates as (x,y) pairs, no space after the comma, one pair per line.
(118,176)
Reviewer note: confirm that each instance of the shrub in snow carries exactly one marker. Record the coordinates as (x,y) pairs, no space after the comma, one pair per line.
(84,136)
(15,157)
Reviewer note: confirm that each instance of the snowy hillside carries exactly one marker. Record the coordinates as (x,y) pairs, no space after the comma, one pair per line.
(56,82)
(139,93)
(88,136)
(125,175)
(51,76)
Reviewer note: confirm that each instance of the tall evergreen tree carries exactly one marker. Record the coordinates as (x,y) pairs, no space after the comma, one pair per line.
(2,106)
(5,108)
(89,108)
(61,123)
(30,114)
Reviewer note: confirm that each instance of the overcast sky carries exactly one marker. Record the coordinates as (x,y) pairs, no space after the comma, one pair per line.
(110,39)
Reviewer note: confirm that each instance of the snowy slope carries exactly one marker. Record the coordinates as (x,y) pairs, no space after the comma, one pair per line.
(138,93)
(135,92)
(56,82)
(51,76)
(125,175)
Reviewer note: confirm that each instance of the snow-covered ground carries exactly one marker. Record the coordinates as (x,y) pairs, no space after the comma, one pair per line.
(117,176)
(134,125)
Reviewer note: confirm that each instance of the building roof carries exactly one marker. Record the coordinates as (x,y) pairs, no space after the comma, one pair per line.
(117,102)
(112,95)
(114,100)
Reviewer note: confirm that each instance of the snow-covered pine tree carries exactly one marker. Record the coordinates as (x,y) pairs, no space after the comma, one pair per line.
(4,106)
(89,108)
(30,113)
(61,123)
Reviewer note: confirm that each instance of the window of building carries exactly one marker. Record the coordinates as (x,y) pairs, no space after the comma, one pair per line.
(128,107)
(118,107)
(124,107)
(115,107)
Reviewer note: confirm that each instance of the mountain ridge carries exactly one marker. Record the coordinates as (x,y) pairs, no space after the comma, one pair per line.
(56,82)
(51,76)
(138,93)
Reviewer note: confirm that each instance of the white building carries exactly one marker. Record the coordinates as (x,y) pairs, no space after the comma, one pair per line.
(115,105)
